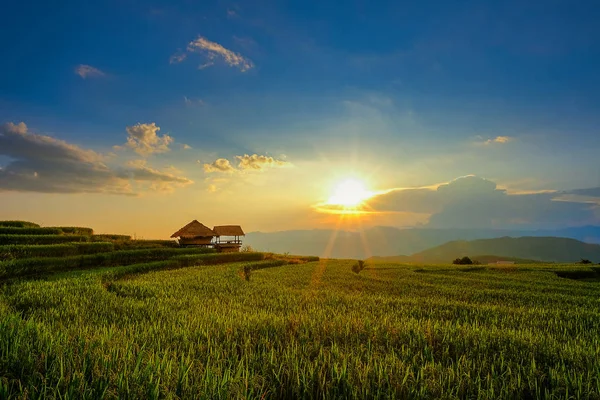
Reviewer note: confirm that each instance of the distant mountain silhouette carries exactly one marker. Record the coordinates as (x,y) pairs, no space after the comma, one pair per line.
(390,241)
(552,249)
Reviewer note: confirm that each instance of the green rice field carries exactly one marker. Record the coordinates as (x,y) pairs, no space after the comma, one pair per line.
(262,326)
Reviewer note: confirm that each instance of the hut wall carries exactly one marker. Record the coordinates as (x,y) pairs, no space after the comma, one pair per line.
(229,249)
(196,240)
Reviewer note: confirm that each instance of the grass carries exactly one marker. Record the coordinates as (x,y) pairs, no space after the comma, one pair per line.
(312,330)
(19,224)
(40,265)
(9,230)
(6,239)
(9,252)
(76,230)
(108,237)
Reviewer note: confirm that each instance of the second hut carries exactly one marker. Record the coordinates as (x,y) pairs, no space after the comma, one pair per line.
(228,238)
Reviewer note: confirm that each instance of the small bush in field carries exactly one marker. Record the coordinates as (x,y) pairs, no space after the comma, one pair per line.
(359,266)
(463,261)
(247,249)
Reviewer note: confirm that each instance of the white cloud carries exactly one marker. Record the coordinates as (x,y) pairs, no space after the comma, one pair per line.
(87,71)
(496,140)
(186,146)
(206,65)
(40,163)
(144,140)
(474,202)
(214,51)
(259,162)
(246,162)
(219,165)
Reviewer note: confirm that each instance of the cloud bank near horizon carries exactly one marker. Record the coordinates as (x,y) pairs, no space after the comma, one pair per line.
(40,163)
(472,202)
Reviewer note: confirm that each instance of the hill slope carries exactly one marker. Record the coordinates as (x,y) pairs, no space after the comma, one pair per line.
(533,248)
(390,241)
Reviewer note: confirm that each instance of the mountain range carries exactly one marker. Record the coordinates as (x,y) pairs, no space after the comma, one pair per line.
(390,241)
(522,250)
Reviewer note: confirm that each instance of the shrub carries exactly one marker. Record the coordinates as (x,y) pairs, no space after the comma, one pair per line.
(359,266)
(584,261)
(463,261)
(19,224)
(8,230)
(144,244)
(247,249)
(75,230)
(41,239)
(109,238)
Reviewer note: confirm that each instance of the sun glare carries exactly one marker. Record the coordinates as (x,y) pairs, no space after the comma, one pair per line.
(349,193)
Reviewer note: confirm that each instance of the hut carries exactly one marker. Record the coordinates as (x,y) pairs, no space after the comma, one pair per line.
(195,234)
(228,238)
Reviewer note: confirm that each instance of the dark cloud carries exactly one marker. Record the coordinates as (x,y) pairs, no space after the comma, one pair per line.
(40,163)
(474,202)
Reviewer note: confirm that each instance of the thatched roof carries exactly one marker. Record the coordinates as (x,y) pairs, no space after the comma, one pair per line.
(194,229)
(228,230)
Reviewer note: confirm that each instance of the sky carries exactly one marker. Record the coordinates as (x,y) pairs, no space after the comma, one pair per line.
(136,117)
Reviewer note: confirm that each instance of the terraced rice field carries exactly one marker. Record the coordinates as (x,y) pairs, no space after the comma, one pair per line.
(103,316)
(311,330)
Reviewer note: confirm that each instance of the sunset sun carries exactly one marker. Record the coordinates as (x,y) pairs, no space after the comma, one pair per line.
(349,193)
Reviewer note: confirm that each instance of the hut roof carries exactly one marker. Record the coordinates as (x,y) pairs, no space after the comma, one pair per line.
(193,229)
(229,230)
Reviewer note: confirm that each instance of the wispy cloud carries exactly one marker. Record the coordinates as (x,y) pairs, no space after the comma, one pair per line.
(206,65)
(214,51)
(41,163)
(144,139)
(246,162)
(259,162)
(177,58)
(87,71)
(219,165)
(497,140)
(190,102)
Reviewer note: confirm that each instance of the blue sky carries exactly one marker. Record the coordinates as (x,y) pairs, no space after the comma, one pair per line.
(398,95)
